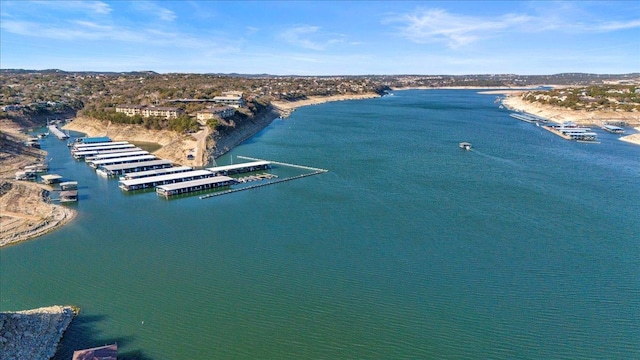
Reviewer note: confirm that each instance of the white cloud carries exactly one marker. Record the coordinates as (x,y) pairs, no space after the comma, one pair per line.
(310,37)
(96,7)
(438,25)
(150,8)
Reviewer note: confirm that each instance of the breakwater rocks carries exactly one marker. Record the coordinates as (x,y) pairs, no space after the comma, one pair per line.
(33,334)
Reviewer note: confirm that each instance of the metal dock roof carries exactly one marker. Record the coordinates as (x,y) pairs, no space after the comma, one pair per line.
(239,166)
(177,177)
(107,143)
(81,154)
(103,148)
(130,159)
(157,172)
(128,166)
(91,140)
(195,183)
(116,155)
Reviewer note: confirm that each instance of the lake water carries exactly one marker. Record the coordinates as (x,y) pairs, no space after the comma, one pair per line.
(526,247)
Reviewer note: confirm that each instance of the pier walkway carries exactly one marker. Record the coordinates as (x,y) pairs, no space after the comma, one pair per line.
(315,171)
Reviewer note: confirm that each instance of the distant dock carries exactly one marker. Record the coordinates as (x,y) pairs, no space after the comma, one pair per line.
(57,132)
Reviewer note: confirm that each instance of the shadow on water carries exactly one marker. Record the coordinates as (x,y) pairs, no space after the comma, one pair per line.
(83,333)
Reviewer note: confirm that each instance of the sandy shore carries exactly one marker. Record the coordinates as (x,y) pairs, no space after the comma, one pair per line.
(288,106)
(513,101)
(23,212)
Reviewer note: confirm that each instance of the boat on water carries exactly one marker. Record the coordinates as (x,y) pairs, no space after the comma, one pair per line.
(465,146)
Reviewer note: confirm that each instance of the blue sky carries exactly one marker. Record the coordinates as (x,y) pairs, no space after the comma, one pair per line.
(323,37)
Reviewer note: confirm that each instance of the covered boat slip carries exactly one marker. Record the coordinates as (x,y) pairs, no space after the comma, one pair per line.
(51,178)
(119,169)
(194,185)
(156,172)
(69,196)
(240,168)
(69,185)
(81,146)
(152,181)
(115,155)
(108,150)
(91,140)
(57,132)
(131,159)
(613,129)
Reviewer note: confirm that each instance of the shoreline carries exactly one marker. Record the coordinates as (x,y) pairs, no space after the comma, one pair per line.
(289,106)
(514,102)
(175,147)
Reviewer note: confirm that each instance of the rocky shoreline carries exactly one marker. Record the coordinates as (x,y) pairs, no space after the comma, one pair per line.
(33,334)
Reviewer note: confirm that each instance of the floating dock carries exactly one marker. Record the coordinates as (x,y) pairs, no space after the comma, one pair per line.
(82,154)
(93,146)
(156,172)
(152,181)
(115,155)
(51,178)
(92,140)
(194,185)
(69,185)
(613,129)
(120,169)
(240,168)
(68,196)
(57,132)
(131,159)
(44,167)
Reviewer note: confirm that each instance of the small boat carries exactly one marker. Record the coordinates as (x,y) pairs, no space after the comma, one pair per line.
(465,146)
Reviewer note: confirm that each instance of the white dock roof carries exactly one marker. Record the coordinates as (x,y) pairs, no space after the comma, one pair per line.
(91,145)
(239,166)
(118,167)
(147,173)
(187,184)
(174,176)
(117,155)
(121,160)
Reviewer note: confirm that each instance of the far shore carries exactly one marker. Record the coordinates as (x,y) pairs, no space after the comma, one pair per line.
(513,101)
(288,106)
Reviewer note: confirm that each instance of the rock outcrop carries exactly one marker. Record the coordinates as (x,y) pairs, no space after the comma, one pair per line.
(33,334)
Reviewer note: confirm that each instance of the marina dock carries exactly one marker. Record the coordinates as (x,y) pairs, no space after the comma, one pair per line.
(152,181)
(194,185)
(613,129)
(96,146)
(81,154)
(120,169)
(155,172)
(240,168)
(115,155)
(51,178)
(57,132)
(131,159)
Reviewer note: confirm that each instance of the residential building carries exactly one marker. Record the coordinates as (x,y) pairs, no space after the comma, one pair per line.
(167,112)
(234,100)
(146,111)
(221,112)
(130,110)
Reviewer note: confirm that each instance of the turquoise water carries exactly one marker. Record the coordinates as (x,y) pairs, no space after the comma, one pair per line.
(526,247)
